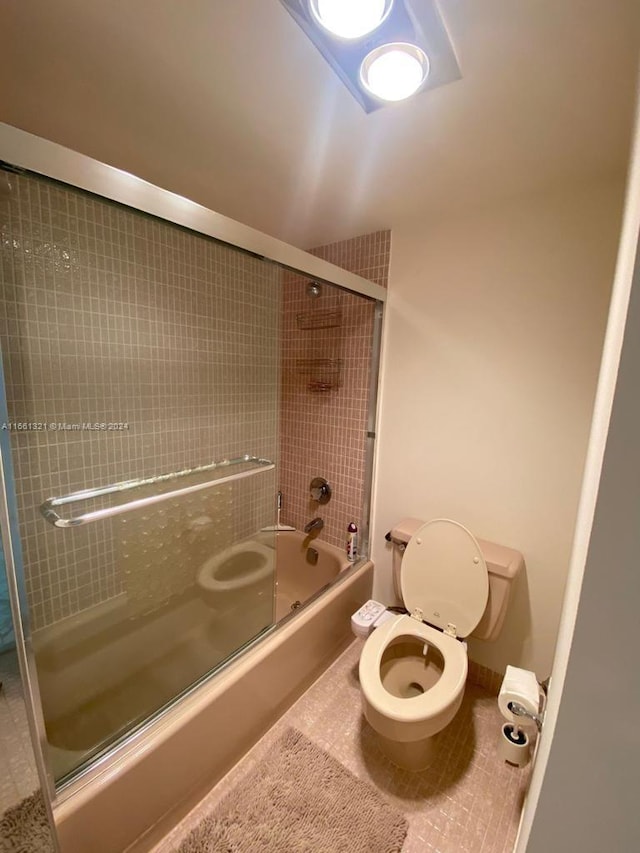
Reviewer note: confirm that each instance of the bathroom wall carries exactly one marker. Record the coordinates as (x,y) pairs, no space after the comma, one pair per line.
(583,793)
(107,315)
(323,433)
(495,323)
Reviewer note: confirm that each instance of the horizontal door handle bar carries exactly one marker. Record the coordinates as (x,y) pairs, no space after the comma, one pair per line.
(48,507)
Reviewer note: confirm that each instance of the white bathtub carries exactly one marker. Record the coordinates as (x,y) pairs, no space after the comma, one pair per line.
(138,792)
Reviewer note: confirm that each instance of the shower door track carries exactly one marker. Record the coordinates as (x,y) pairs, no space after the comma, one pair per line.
(22,151)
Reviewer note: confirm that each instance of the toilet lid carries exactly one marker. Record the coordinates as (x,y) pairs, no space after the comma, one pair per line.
(444,574)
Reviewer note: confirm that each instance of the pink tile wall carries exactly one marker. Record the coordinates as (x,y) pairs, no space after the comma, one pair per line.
(323,433)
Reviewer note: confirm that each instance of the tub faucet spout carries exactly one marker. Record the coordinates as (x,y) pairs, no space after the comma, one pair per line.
(315,524)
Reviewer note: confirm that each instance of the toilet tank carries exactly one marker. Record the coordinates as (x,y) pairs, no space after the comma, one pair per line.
(503,566)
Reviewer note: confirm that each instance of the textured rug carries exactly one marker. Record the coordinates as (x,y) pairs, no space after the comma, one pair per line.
(25,829)
(299,799)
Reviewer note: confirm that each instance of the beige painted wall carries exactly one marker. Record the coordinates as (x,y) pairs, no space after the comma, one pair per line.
(492,345)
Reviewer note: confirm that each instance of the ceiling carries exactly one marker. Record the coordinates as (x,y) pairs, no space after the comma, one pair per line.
(229,104)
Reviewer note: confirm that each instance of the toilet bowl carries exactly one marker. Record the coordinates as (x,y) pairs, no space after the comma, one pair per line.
(413,668)
(412,680)
(231,572)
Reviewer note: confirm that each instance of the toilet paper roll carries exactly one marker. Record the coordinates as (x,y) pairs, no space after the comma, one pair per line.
(514,745)
(519,685)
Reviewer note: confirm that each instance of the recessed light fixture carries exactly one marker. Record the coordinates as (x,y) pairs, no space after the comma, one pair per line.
(350,19)
(393,72)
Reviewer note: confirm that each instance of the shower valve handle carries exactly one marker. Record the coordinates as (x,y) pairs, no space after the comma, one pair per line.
(320,490)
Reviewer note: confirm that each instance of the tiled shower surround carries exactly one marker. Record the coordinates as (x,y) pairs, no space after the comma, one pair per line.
(326,361)
(110,316)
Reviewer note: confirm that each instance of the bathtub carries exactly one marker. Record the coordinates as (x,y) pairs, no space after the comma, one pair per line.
(303,569)
(133,796)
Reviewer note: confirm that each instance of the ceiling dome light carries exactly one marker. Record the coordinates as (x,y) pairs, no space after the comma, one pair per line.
(350,19)
(393,72)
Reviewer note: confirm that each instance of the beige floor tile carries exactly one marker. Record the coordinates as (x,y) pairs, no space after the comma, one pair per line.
(18,776)
(468,800)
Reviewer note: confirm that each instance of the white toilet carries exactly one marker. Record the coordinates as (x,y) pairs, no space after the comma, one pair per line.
(413,668)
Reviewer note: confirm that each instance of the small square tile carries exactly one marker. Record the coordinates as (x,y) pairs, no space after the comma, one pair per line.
(453,806)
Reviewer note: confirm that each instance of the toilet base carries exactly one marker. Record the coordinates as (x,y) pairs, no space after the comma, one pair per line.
(413,755)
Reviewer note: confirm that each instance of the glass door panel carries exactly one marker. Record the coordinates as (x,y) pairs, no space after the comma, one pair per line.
(134,348)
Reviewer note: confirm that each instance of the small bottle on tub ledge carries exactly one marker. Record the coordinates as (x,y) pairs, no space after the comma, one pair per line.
(352,542)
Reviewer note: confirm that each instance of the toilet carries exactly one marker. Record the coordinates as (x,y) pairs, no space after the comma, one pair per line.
(413,667)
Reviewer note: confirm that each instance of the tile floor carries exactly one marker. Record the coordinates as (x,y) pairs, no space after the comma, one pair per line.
(468,800)
(18,775)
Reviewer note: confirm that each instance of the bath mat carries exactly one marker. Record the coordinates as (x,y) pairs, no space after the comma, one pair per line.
(25,829)
(299,800)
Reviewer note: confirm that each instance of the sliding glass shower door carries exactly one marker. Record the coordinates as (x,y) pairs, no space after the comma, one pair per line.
(141,367)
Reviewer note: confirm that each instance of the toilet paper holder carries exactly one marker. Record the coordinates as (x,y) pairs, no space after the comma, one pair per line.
(515,742)
(520,711)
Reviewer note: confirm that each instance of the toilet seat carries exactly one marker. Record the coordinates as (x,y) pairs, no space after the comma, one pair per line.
(439,697)
(443,577)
